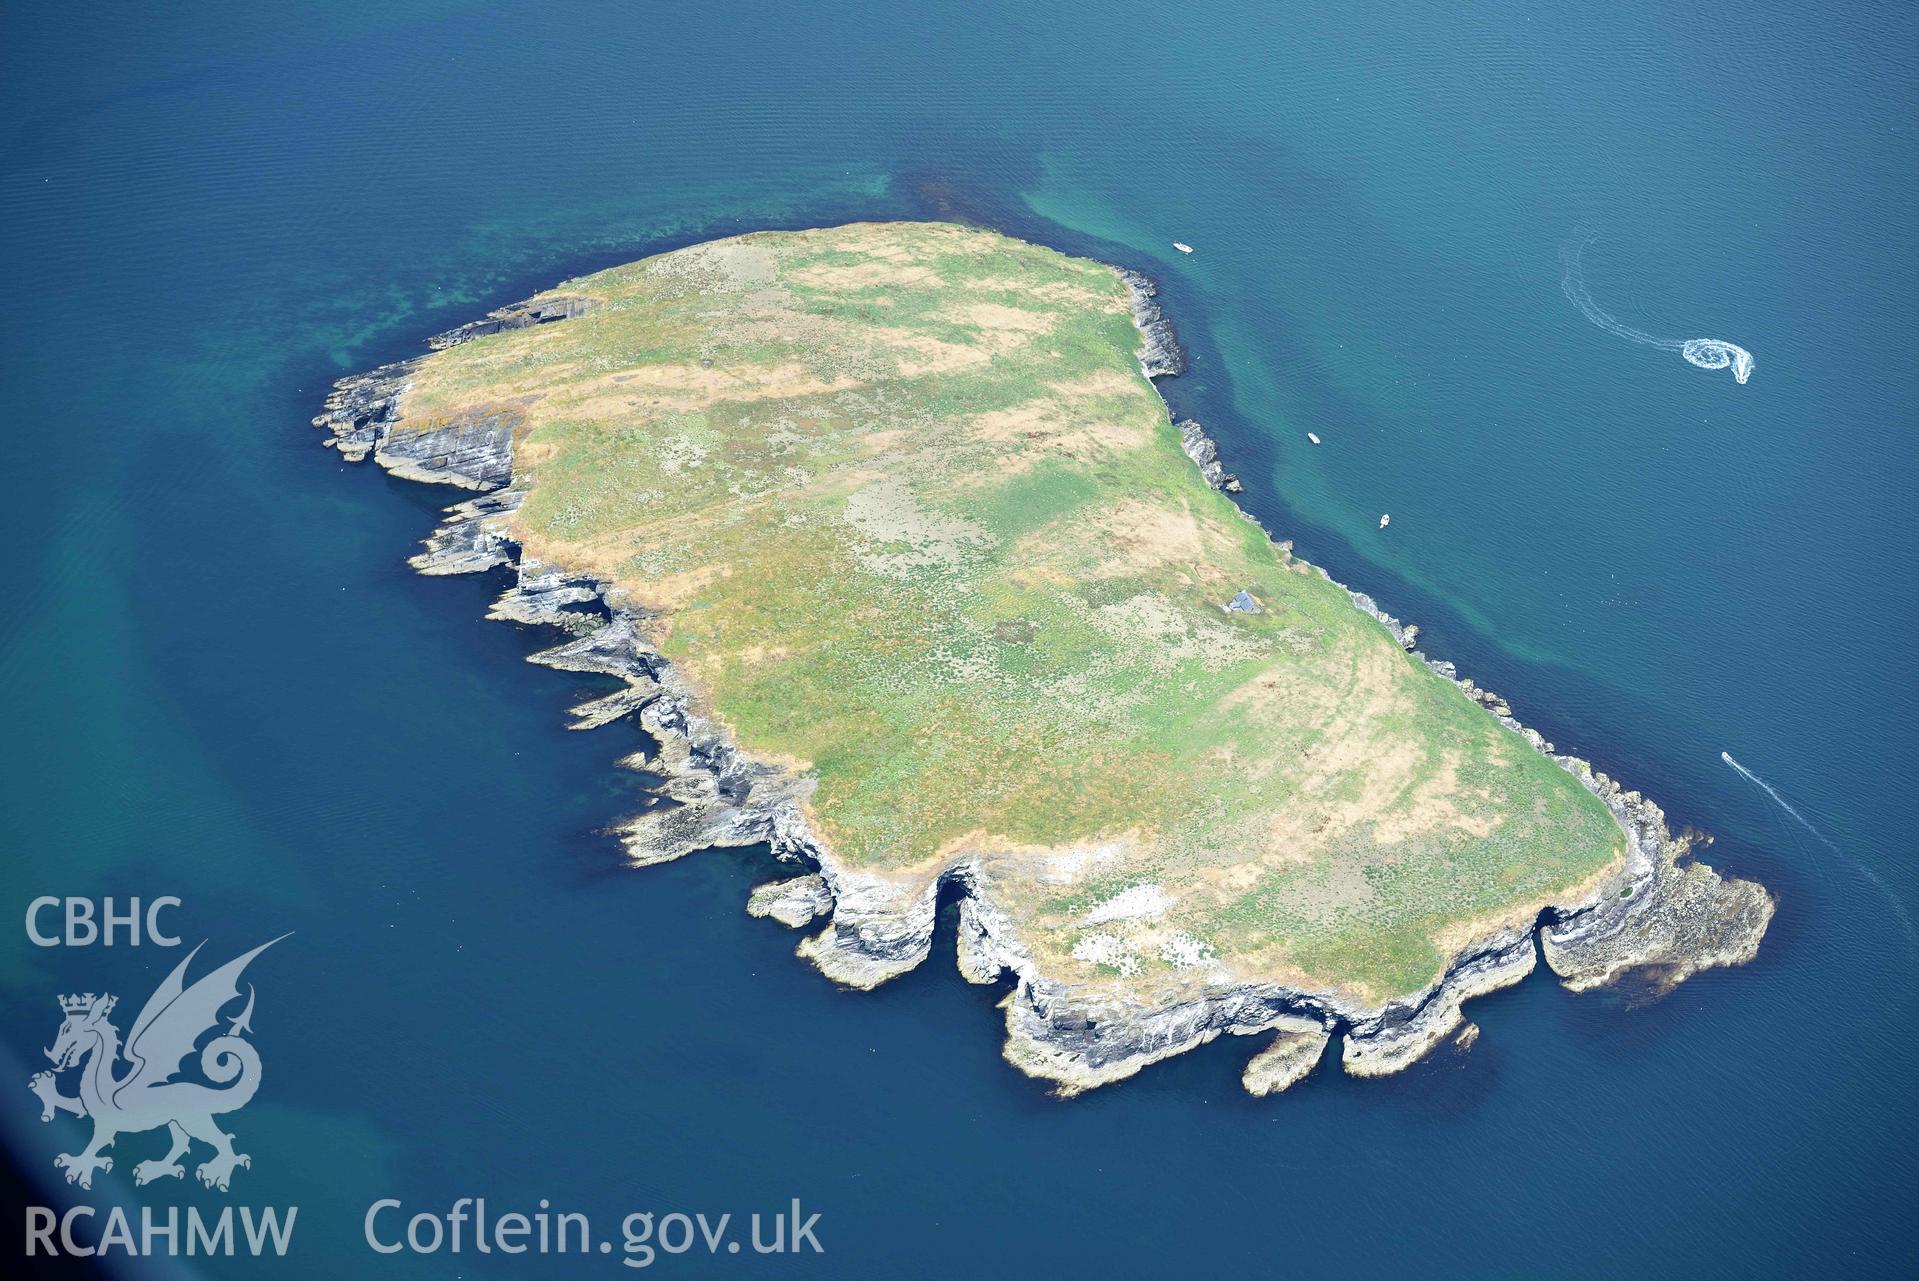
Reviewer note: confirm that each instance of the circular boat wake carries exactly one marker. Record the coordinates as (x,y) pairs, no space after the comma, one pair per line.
(1707,353)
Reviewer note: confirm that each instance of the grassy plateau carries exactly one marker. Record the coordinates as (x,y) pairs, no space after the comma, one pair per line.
(899,501)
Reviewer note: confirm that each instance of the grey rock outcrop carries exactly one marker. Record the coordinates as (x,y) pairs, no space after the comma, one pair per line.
(1205,455)
(1294,1051)
(473,451)
(793,903)
(521,315)
(1160,354)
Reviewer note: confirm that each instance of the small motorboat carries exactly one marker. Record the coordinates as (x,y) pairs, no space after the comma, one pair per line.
(1385,520)
(1313,438)
(1183,248)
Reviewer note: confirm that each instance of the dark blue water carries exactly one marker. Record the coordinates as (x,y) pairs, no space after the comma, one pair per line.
(221,682)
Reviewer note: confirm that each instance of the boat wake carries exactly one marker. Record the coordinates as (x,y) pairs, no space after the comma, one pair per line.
(1899,909)
(1781,801)
(1707,353)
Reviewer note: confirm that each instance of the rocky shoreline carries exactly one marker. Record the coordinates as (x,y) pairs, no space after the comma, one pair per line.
(1651,914)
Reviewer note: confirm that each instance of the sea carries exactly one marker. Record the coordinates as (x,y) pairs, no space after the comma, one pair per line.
(222,684)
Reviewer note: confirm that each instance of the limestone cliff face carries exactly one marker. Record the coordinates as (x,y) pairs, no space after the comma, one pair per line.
(1653,913)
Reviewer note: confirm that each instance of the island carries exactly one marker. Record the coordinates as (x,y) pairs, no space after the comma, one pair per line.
(903,564)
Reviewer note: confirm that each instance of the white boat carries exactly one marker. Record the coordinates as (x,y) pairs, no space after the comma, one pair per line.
(1185,249)
(1313,438)
(1385,520)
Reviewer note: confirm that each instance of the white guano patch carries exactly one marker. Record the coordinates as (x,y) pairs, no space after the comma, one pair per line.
(1161,636)
(1130,904)
(902,538)
(1183,952)
(679,454)
(1067,866)
(1107,949)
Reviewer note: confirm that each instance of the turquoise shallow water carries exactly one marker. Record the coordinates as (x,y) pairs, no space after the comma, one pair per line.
(221,681)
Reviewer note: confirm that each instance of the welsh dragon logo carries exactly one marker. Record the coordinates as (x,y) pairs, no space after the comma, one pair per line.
(145,1096)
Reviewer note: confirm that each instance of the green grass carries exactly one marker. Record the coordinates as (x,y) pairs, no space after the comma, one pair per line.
(909,515)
